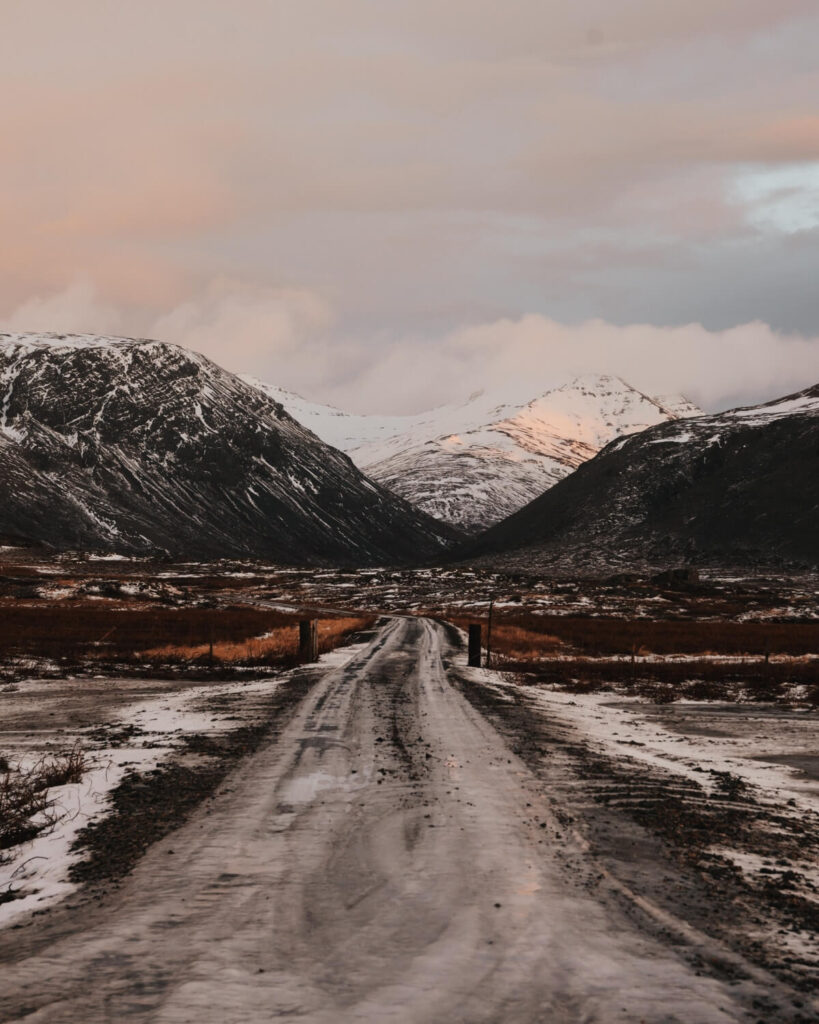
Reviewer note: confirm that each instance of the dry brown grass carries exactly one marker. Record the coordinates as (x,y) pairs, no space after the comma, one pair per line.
(333,632)
(517,643)
(78,634)
(599,636)
(278,645)
(25,806)
(75,630)
(60,769)
(587,654)
(271,646)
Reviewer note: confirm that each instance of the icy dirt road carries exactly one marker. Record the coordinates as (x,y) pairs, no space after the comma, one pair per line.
(387,858)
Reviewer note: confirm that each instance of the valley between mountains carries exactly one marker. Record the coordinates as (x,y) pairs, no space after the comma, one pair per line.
(252,770)
(472,465)
(139,447)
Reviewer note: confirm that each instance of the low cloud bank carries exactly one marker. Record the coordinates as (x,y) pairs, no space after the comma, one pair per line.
(290,337)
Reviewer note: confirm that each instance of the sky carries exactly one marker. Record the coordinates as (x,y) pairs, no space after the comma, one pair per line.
(389,204)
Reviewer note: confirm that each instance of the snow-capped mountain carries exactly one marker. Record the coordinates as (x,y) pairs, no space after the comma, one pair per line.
(474,464)
(739,488)
(345,430)
(138,446)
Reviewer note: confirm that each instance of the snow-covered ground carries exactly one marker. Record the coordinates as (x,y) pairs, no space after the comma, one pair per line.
(148,732)
(38,870)
(692,738)
(389,858)
(758,763)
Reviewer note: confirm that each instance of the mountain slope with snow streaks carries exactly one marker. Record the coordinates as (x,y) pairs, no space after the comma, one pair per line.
(472,465)
(740,488)
(143,447)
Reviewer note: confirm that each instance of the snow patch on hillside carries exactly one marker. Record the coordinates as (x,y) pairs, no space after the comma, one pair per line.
(472,464)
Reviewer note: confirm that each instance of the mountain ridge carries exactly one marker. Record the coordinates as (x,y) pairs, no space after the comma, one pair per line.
(140,446)
(473,464)
(733,488)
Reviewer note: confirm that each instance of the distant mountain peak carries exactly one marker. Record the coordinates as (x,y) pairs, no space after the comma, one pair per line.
(734,489)
(475,463)
(594,382)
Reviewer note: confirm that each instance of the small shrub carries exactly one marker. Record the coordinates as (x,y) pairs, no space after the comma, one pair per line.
(658,693)
(60,770)
(20,803)
(731,786)
(765,689)
(706,689)
(26,809)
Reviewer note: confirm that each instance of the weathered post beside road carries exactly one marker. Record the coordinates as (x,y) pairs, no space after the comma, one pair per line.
(308,639)
(475,645)
(489,634)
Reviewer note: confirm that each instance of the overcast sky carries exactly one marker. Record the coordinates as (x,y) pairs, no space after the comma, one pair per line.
(387,204)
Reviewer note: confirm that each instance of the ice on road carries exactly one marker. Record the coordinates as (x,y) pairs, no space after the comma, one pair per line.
(386,858)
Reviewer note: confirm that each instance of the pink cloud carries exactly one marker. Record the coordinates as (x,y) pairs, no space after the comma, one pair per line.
(437,163)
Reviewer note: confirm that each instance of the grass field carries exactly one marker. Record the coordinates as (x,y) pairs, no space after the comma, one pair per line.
(533,635)
(72,633)
(664,659)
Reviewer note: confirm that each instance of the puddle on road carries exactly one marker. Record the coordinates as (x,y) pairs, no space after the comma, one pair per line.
(531,885)
(305,788)
(805,765)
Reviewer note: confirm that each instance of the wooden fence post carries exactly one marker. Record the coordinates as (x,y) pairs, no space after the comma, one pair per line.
(475,645)
(308,639)
(489,634)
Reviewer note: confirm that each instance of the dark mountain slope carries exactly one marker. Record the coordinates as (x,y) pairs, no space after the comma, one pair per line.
(739,488)
(139,447)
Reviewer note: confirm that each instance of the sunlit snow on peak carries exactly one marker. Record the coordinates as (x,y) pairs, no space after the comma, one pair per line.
(472,463)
